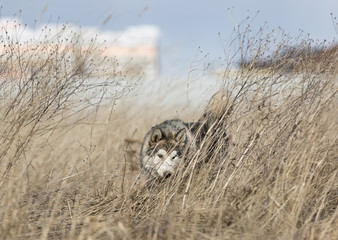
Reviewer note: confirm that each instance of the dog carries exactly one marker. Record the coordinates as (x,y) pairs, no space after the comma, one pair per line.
(168,145)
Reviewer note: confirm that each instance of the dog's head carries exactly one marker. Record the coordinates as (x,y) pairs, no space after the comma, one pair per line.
(163,150)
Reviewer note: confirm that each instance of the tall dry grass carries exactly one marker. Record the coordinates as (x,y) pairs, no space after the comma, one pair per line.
(72,173)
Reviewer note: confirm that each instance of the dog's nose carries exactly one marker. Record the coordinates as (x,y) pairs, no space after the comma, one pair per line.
(167,174)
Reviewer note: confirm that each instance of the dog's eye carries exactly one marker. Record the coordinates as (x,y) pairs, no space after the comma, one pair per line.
(160,155)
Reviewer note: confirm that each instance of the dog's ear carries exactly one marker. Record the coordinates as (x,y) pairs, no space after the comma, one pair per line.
(155,136)
(181,136)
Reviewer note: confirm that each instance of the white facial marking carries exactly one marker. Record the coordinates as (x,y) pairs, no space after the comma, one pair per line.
(169,165)
(162,163)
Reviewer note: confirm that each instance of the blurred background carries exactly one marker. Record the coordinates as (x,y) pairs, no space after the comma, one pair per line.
(178,49)
(175,33)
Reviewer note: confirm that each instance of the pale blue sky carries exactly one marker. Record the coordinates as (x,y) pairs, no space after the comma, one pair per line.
(185,25)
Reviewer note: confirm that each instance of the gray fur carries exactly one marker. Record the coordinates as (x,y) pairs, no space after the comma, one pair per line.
(171,136)
(167,145)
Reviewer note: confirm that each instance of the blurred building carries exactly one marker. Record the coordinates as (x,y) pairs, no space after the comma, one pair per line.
(131,52)
(296,59)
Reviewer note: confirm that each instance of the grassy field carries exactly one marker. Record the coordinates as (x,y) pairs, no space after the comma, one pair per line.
(69,167)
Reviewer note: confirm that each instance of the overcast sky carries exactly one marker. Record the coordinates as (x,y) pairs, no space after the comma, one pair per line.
(185,25)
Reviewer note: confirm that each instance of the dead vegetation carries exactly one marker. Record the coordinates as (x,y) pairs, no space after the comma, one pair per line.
(68,173)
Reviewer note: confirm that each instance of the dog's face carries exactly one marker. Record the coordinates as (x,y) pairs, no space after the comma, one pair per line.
(164,152)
